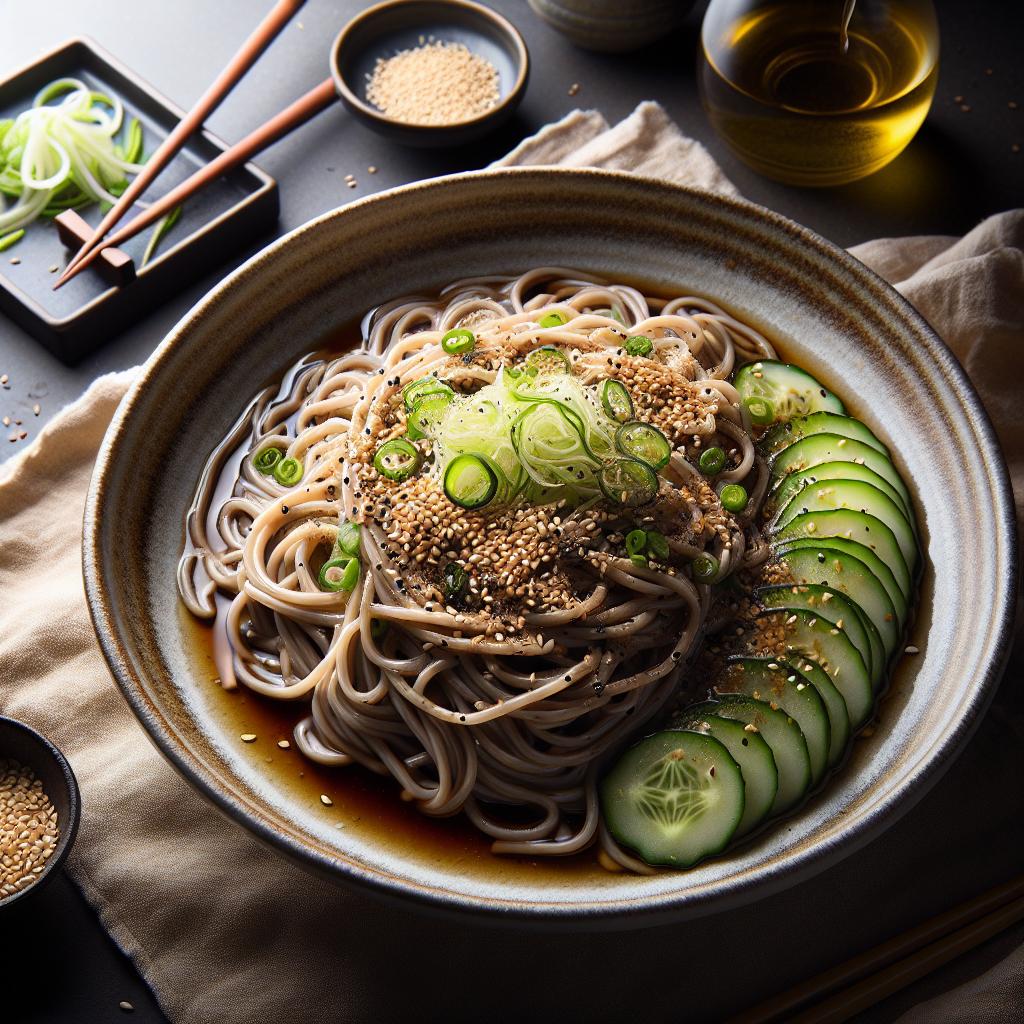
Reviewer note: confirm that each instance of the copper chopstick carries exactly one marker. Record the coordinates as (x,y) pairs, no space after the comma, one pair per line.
(290,118)
(243,60)
(989,906)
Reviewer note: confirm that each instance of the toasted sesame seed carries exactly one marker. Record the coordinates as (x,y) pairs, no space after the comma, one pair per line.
(326,800)
(248,737)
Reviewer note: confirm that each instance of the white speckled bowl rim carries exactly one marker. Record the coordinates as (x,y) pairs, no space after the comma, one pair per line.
(828,312)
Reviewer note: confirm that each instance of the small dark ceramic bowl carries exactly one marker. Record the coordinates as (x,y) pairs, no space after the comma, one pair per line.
(387,28)
(25,745)
(823,309)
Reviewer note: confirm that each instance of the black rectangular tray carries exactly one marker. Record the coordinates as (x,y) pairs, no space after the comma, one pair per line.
(214,225)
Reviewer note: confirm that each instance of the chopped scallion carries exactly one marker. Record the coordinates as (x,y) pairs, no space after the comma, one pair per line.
(288,472)
(639,345)
(556,318)
(340,573)
(705,568)
(761,410)
(712,461)
(454,578)
(397,459)
(636,542)
(266,460)
(657,545)
(458,341)
(734,497)
(349,539)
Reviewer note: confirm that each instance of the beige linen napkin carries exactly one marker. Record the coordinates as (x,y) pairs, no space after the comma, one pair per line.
(225,930)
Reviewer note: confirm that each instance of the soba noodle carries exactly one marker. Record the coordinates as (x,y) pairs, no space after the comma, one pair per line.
(504,703)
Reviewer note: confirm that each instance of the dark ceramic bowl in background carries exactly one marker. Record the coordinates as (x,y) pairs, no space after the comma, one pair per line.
(23,744)
(824,309)
(387,28)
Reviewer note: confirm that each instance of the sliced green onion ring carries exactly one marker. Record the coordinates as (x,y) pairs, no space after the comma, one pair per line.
(288,472)
(704,567)
(616,401)
(454,578)
(712,461)
(556,318)
(628,482)
(266,460)
(418,389)
(734,497)
(469,481)
(349,539)
(636,542)
(397,459)
(657,545)
(639,561)
(761,410)
(341,573)
(458,341)
(642,441)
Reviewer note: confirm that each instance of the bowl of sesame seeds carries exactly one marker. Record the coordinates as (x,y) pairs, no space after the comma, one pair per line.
(39,809)
(430,72)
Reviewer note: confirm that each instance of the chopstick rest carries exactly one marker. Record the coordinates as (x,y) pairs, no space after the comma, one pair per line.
(115,265)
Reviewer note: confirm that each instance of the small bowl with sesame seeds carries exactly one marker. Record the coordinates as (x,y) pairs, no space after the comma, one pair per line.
(430,72)
(39,810)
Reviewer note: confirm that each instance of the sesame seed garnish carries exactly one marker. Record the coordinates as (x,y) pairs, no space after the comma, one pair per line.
(283,744)
(911,649)
(326,800)
(248,737)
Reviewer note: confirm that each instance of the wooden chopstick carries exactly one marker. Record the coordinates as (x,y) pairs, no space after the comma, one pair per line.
(244,59)
(873,989)
(880,971)
(290,118)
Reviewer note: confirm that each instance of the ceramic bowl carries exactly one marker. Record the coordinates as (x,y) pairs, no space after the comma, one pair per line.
(613,26)
(23,744)
(823,308)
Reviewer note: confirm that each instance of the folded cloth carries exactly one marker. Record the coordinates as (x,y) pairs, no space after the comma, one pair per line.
(226,930)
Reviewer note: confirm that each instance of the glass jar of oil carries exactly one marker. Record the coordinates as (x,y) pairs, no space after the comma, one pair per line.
(818,92)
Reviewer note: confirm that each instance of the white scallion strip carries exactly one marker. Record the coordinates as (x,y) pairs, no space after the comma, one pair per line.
(61,153)
(548,435)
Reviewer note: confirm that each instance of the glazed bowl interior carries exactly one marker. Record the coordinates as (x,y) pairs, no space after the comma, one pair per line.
(822,308)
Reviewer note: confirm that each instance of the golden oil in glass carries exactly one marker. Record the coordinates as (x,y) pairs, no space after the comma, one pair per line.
(818,92)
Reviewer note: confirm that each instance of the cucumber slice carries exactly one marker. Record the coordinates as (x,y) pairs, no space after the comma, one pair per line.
(852,494)
(835,704)
(784,434)
(791,391)
(849,524)
(840,610)
(808,633)
(764,679)
(750,751)
(783,489)
(816,449)
(783,735)
(852,568)
(675,798)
